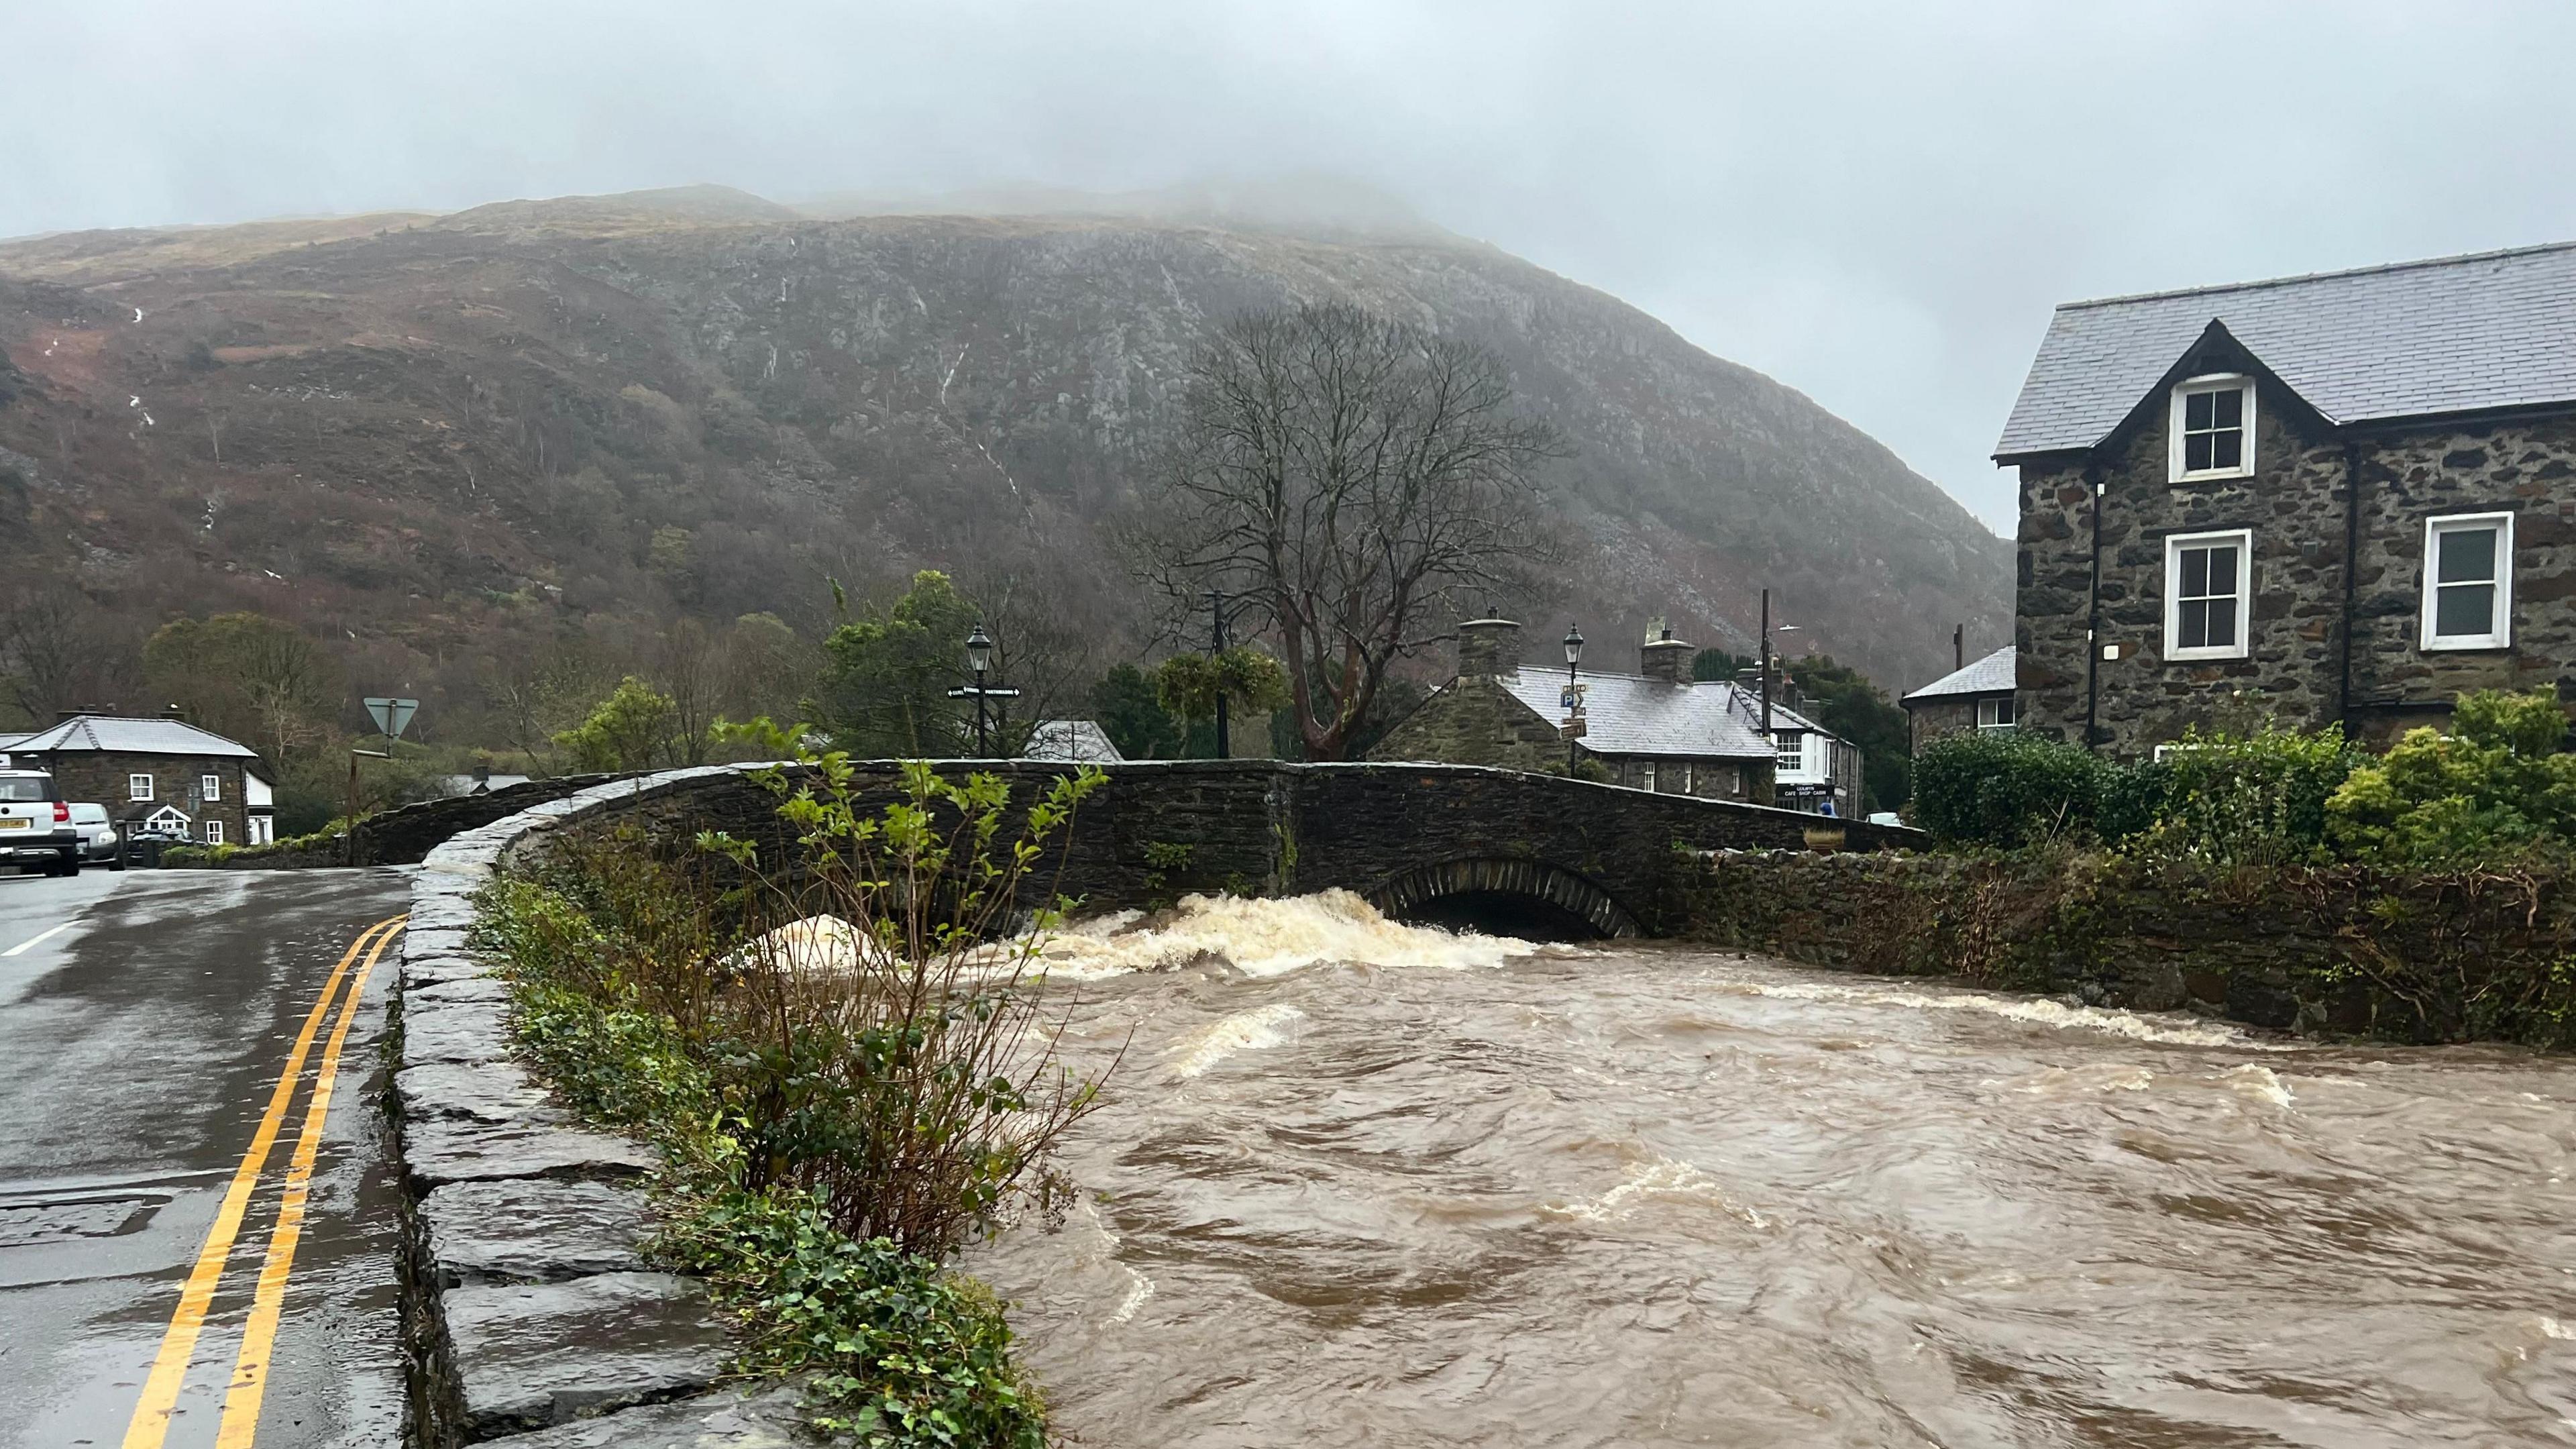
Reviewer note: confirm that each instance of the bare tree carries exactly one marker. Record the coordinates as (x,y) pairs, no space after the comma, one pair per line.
(52,650)
(1355,480)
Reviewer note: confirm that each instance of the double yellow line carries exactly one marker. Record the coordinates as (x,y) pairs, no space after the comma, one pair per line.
(151,1421)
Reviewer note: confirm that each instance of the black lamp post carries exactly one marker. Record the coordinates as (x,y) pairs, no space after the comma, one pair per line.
(979,658)
(1573,657)
(1216,648)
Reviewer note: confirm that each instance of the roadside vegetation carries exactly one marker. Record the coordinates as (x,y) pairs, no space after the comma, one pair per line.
(2419,895)
(831,1034)
(2497,790)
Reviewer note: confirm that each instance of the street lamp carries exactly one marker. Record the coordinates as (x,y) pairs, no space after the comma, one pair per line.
(979,657)
(1573,696)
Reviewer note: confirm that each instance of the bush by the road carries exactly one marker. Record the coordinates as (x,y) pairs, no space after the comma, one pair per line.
(2496,789)
(841,1109)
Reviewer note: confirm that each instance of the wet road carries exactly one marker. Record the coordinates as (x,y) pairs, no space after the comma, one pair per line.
(146,1019)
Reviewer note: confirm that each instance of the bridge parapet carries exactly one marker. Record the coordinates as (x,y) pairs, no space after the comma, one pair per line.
(1401,835)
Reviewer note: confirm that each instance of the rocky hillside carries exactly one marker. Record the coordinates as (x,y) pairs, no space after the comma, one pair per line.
(440,440)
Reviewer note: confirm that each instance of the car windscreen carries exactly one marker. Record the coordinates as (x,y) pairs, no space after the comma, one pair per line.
(18,789)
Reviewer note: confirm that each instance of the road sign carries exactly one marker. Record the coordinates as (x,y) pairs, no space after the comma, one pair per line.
(392,716)
(1574,729)
(1571,697)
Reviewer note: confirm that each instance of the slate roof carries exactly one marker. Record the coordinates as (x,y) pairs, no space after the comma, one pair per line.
(1627,714)
(1071,739)
(132,737)
(2455,334)
(1993,674)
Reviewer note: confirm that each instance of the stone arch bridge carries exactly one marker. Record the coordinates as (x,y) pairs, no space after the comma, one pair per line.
(1451,844)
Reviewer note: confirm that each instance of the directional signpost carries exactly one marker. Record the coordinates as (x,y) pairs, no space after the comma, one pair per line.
(392,717)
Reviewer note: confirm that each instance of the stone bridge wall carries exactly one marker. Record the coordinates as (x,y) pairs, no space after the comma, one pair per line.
(1395,833)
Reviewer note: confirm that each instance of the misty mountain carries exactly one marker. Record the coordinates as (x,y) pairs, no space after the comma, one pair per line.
(441,440)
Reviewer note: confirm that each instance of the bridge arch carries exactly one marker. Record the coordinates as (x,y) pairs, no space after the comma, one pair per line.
(1420,891)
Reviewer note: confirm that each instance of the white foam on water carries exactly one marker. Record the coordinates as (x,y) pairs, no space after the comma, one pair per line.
(2258,1083)
(1269,938)
(1244,1031)
(816,945)
(1139,1289)
(2038,1010)
(2552,1328)
(1662,1178)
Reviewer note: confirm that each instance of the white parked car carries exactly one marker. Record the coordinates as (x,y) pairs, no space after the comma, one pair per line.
(36,830)
(98,838)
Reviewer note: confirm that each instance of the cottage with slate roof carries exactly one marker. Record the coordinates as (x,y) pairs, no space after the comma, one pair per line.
(1657,729)
(2343,497)
(1977,696)
(156,774)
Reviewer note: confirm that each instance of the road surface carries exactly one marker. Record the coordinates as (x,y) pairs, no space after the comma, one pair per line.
(147,1021)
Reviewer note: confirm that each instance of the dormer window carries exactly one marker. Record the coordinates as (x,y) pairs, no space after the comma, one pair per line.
(2213,428)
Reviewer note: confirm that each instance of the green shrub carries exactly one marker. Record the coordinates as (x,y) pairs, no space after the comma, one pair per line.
(893,1350)
(2234,799)
(2496,788)
(2007,789)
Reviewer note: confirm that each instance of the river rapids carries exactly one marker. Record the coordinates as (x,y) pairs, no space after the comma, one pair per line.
(1359,1183)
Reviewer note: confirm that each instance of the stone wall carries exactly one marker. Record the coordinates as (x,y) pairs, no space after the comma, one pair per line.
(1163,828)
(2326,951)
(2295,505)
(1934,718)
(530,1312)
(407,834)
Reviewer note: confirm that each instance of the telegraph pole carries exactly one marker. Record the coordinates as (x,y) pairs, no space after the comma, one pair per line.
(1766,664)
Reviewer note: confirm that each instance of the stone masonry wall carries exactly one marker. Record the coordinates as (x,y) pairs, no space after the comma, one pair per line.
(2300,949)
(2295,507)
(1934,718)
(1163,828)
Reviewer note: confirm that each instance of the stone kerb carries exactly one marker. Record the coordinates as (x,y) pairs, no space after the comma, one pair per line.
(529,1310)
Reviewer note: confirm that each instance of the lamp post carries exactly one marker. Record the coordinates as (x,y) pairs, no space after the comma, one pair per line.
(979,658)
(1216,649)
(1573,696)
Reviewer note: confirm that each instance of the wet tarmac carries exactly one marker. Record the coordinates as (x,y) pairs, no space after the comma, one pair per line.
(140,1045)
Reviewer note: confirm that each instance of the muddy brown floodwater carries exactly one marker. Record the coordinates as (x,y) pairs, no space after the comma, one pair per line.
(1360,1184)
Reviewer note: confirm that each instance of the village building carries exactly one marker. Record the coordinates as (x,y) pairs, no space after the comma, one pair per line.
(1976,696)
(2345,497)
(1079,741)
(159,775)
(1657,729)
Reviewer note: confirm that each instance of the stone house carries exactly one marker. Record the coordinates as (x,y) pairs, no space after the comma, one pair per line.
(160,773)
(2342,497)
(1975,696)
(1657,729)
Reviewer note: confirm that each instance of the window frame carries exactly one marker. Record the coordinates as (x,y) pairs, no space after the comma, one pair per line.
(214,832)
(138,790)
(2006,706)
(2209,382)
(2175,543)
(2501,636)
(210,787)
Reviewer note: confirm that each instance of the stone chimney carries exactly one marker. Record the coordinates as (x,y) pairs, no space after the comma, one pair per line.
(1489,646)
(1665,657)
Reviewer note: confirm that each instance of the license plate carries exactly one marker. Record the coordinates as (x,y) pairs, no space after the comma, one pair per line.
(9,824)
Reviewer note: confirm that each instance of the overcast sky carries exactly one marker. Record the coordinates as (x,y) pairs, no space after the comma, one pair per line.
(1876,204)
